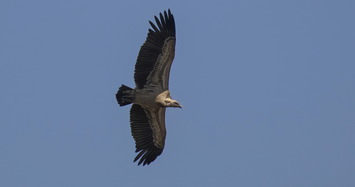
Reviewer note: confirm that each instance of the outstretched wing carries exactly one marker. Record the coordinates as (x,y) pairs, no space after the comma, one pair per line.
(157,53)
(148,130)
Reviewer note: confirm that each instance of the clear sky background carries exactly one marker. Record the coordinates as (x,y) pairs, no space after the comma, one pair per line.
(268,90)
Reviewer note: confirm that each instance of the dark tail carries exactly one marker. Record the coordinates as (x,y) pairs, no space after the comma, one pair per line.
(123,97)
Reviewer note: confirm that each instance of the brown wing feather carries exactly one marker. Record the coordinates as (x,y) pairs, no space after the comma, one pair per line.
(148,131)
(152,47)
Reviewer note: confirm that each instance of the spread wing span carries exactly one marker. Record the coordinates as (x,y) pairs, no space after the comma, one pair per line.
(151,96)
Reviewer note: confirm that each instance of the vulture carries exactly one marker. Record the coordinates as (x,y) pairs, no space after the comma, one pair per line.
(151,95)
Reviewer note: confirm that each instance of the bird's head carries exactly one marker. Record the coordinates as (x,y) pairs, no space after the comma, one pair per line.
(172,103)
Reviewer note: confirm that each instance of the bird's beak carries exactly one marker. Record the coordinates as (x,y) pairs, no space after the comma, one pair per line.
(180,106)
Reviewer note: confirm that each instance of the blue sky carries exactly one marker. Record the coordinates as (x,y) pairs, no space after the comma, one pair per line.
(267,87)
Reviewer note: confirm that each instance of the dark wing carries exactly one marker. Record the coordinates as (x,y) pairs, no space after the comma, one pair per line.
(157,52)
(148,130)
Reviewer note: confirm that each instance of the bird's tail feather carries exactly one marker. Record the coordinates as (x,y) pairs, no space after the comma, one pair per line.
(123,95)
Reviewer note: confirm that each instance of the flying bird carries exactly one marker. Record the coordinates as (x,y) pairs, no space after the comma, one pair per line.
(151,95)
